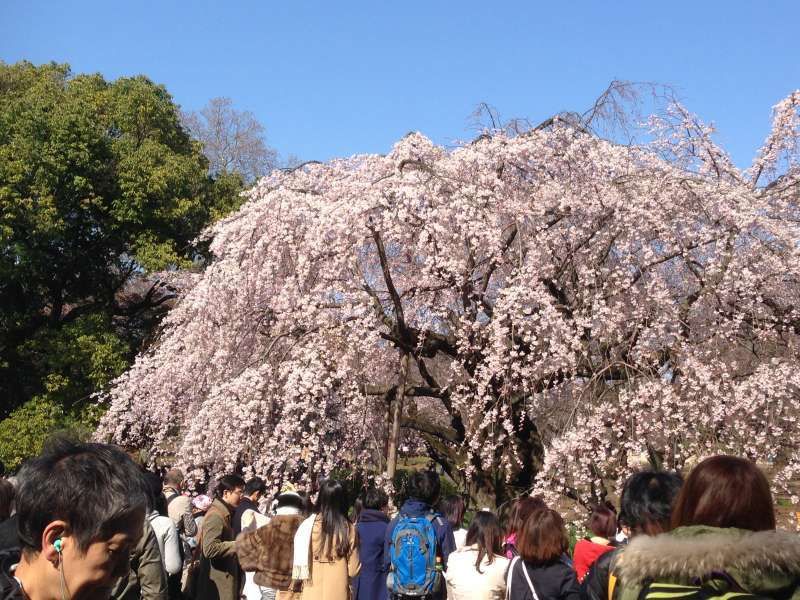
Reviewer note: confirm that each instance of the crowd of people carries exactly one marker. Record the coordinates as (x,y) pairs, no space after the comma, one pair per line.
(85,521)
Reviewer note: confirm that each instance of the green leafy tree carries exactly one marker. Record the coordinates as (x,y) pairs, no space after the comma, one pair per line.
(100,185)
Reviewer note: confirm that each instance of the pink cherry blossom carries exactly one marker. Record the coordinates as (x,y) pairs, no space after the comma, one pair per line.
(569,305)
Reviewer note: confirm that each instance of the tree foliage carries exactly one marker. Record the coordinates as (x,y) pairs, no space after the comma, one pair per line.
(538,308)
(100,186)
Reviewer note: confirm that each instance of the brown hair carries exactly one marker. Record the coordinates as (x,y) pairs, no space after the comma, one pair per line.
(521,510)
(543,537)
(725,491)
(603,522)
(485,531)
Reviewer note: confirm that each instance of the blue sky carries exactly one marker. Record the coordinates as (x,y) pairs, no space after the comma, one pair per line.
(338,78)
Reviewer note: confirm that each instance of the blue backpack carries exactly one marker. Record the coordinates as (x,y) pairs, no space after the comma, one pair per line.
(413,555)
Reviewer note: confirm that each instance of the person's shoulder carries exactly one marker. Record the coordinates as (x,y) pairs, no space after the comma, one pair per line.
(9,588)
(558,568)
(161,523)
(501,559)
(462,558)
(499,563)
(607,559)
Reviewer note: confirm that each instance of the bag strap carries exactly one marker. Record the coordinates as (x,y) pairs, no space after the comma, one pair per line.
(530,583)
(612,583)
(509,577)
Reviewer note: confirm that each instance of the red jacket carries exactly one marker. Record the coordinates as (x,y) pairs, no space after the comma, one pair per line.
(586,552)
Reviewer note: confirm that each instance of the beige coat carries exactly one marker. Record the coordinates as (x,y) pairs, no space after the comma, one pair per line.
(221,577)
(330,580)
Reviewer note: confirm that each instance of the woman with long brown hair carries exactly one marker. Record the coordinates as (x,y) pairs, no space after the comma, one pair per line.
(477,570)
(326,547)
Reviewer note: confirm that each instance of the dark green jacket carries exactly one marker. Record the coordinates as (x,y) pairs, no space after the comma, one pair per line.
(765,563)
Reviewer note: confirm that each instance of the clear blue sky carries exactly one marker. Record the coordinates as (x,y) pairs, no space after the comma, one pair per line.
(338,78)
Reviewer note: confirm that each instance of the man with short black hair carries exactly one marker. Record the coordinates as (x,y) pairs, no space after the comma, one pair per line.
(423,493)
(218,557)
(645,507)
(81,511)
(247,512)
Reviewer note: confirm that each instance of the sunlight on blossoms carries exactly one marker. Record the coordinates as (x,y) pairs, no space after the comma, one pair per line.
(571,309)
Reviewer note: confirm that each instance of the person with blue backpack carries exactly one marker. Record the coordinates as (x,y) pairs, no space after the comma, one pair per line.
(418,543)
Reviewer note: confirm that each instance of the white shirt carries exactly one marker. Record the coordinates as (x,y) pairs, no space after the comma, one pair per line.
(465,583)
(168,542)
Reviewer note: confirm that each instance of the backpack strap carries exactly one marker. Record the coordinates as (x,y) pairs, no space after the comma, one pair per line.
(392,526)
(612,583)
(172,497)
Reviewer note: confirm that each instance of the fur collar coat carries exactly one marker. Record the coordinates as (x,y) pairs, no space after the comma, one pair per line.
(762,562)
(269,551)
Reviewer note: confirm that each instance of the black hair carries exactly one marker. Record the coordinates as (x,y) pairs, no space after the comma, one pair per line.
(647,501)
(93,487)
(424,486)
(256,484)
(228,483)
(157,500)
(332,506)
(375,499)
(291,499)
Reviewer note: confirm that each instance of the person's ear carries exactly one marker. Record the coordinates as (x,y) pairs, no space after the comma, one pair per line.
(54,538)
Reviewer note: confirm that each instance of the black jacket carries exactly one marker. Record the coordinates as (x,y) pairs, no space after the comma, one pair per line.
(552,581)
(9,588)
(595,584)
(9,538)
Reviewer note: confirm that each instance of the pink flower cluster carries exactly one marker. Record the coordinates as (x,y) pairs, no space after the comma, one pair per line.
(628,301)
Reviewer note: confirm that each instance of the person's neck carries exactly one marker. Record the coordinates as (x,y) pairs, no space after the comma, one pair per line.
(36,578)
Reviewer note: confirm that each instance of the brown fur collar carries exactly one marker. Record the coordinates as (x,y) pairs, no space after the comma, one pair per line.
(678,555)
